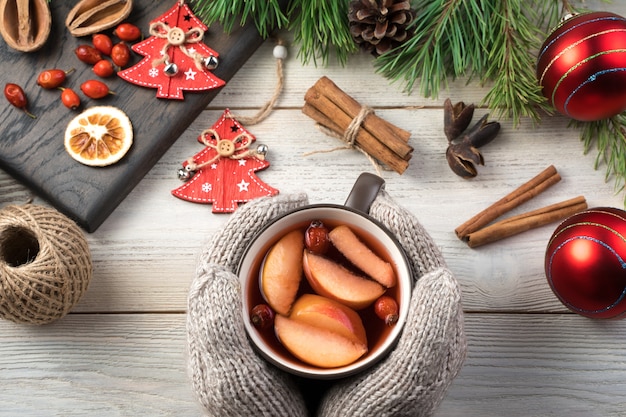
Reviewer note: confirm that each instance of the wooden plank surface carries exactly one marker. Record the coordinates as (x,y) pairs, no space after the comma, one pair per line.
(121,352)
(540,365)
(98,365)
(134,365)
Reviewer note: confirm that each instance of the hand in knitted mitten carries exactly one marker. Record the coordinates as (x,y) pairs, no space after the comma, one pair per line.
(413,378)
(230,379)
(227,375)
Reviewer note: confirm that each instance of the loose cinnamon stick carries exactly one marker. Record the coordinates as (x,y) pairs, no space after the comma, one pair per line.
(331,107)
(525,192)
(526,221)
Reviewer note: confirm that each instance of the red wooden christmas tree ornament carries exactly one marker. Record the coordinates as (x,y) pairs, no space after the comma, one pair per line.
(223,173)
(176,59)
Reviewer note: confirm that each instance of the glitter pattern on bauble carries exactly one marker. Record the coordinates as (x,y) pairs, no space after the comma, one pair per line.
(582,66)
(585,263)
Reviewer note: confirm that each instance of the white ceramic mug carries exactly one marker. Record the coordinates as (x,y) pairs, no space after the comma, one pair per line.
(353,214)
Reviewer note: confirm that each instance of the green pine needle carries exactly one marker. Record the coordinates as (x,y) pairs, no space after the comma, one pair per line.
(491,39)
(447,38)
(609,135)
(514,36)
(320,27)
(266,14)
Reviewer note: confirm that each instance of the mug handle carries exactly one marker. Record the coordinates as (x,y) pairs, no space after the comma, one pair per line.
(364,191)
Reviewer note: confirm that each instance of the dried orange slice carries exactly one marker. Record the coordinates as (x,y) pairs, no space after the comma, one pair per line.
(99,136)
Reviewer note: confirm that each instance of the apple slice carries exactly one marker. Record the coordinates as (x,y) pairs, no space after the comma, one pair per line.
(317,346)
(282,272)
(344,239)
(329,279)
(329,314)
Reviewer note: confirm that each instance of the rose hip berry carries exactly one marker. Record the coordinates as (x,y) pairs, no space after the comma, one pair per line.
(52,78)
(17,97)
(95,89)
(88,54)
(102,43)
(103,68)
(316,238)
(127,32)
(262,316)
(70,99)
(386,308)
(120,54)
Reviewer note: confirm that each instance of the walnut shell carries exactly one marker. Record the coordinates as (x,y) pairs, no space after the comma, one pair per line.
(93,16)
(25,24)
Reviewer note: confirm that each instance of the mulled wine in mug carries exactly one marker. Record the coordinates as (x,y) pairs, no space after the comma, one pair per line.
(320,285)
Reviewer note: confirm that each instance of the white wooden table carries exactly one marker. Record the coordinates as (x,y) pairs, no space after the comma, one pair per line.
(121,352)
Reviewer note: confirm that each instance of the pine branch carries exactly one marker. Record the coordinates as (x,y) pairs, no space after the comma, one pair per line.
(448,38)
(514,37)
(609,135)
(320,27)
(266,14)
(494,40)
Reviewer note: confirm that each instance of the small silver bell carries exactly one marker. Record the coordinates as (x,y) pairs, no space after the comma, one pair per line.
(211,62)
(262,149)
(185,174)
(170,69)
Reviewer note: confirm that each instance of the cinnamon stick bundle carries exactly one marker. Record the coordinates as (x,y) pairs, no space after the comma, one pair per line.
(332,108)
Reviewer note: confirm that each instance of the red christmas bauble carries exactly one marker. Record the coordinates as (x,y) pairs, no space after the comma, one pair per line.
(582,66)
(586,263)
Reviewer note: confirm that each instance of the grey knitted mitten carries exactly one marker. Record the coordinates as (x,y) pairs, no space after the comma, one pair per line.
(227,375)
(412,380)
(229,378)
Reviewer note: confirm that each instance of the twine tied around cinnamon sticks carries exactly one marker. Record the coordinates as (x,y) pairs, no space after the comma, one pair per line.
(349,137)
(340,116)
(477,231)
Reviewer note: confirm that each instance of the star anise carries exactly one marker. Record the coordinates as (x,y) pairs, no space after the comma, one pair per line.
(462,153)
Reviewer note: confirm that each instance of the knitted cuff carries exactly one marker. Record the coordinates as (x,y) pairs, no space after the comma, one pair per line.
(226,247)
(227,375)
(420,248)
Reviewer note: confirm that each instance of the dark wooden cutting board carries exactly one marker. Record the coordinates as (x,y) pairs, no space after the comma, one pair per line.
(32,150)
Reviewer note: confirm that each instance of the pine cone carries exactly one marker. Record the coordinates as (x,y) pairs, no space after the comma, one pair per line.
(380,25)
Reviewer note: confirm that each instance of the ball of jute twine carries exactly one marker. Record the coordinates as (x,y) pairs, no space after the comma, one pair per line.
(45,264)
